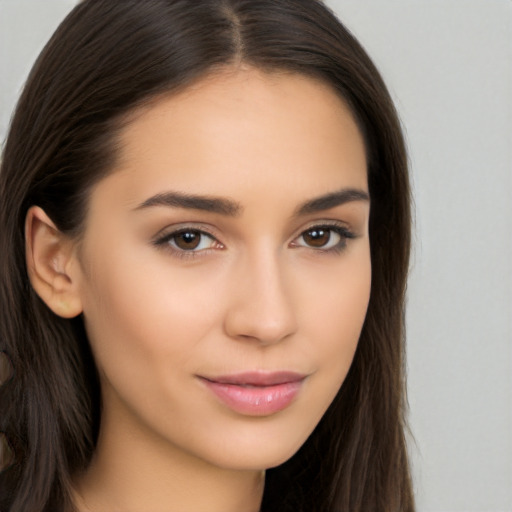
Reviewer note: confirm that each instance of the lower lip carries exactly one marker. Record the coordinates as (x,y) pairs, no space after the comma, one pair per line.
(255,401)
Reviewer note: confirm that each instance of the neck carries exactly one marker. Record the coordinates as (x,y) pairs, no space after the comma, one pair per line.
(130,473)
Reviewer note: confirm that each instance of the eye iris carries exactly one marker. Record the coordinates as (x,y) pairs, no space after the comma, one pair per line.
(188,240)
(317,237)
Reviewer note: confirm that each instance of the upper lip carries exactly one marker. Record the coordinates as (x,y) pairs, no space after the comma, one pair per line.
(258,378)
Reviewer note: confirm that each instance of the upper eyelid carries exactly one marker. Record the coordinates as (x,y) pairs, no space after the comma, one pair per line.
(325,224)
(169,231)
(205,229)
(163,241)
(340,229)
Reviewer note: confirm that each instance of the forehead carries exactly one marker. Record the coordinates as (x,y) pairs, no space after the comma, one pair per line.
(244,129)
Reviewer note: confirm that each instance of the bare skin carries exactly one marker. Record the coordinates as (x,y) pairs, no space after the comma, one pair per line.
(270,274)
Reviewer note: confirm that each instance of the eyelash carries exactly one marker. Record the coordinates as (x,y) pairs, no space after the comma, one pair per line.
(342,231)
(164,242)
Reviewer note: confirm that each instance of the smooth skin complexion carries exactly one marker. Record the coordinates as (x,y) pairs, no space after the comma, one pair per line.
(223,275)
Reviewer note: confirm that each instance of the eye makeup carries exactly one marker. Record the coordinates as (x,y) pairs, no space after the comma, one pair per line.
(187,241)
(193,241)
(327,237)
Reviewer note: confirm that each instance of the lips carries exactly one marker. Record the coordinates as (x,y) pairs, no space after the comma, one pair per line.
(256,393)
(258,379)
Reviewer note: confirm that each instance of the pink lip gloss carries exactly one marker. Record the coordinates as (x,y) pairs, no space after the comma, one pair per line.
(256,394)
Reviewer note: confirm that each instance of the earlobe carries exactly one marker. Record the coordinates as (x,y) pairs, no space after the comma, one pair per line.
(51,264)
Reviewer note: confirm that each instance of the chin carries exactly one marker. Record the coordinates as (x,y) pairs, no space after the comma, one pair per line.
(255,460)
(259,449)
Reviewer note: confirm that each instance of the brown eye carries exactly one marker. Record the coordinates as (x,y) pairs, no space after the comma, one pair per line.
(187,240)
(325,238)
(317,237)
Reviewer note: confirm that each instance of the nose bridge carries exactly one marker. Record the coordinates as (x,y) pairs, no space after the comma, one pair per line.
(262,307)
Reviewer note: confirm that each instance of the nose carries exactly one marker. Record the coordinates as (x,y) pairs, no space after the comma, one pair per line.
(261,307)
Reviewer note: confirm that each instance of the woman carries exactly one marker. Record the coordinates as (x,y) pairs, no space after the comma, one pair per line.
(201,308)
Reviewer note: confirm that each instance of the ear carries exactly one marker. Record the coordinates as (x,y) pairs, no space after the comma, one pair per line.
(52,264)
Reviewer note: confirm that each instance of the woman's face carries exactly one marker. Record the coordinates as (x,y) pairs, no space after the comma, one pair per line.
(224,272)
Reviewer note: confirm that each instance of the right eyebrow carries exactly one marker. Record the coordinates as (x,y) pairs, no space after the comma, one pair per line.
(331,200)
(220,205)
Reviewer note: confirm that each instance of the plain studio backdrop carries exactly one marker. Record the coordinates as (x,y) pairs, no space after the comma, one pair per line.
(448,64)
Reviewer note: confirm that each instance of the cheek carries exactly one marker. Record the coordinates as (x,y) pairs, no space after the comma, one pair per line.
(144,318)
(334,314)
(336,299)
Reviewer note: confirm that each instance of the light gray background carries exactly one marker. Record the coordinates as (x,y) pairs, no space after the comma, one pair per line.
(448,64)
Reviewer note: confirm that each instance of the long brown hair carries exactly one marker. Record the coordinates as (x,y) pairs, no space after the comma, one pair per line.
(107,58)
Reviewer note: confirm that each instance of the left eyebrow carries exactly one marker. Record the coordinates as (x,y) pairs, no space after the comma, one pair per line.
(210,204)
(331,200)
